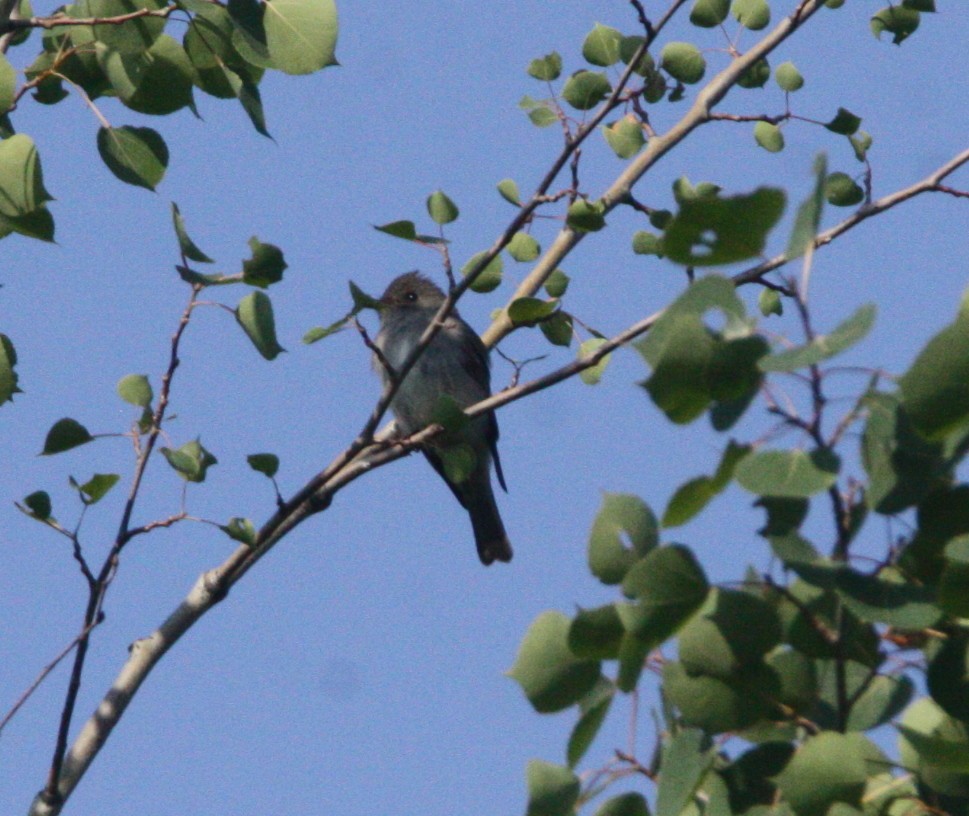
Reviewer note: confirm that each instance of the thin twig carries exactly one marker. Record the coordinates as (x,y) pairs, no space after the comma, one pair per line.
(45,672)
(61,19)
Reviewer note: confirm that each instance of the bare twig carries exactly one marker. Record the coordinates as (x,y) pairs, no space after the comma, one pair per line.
(44,673)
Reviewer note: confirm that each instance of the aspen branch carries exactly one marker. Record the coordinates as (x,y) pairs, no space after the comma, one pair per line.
(55,20)
(931,183)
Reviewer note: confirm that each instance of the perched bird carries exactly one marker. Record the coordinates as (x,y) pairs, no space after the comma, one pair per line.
(454,365)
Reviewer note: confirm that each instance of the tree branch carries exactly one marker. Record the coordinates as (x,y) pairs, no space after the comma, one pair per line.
(931,183)
(55,20)
(699,113)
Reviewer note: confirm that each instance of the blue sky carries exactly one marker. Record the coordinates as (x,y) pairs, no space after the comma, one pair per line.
(360,668)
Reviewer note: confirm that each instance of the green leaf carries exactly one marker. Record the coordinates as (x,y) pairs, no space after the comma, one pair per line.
(529,311)
(783,515)
(255,314)
(543,116)
(647,243)
(594,707)
(249,31)
(197,279)
(301,34)
(586,216)
(157,82)
(39,504)
(318,333)
(799,683)
(899,21)
(860,143)
(135,36)
(887,597)
(361,300)
(755,76)
(191,461)
(788,78)
(691,497)
(753,14)
(601,46)
(547,68)
(523,247)
(488,278)
(95,488)
(625,136)
(824,346)
(8,377)
(697,367)
(625,804)
(550,675)
(683,61)
(136,389)
(596,634)
(902,466)
(788,474)
(592,375)
(621,518)
(717,705)
(557,329)
(669,586)
(509,191)
(879,700)
(841,190)
(686,760)
(265,463)
(185,244)
(399,229)
(920,5)
(265,267)
(954,584)
(710,231)
(930,737)
(935,389)
(450,415)
(628,48)
(137,156)
(632,660)
(735,630)
(553,790)
(948,676)
(240,529)
(8,84)
(709,13)
(769,302)
(441,208)
(65,434)
(769,137)
(808,217)
(22,193)
(586,89)
(556,283)
(844,122)
(828,768)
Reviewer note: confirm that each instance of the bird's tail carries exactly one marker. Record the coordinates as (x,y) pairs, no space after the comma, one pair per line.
(489,532)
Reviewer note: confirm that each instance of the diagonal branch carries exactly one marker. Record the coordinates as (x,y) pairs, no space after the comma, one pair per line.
(657,147)
(931,183)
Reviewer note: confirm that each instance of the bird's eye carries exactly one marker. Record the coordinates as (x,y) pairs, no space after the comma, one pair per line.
(411,296)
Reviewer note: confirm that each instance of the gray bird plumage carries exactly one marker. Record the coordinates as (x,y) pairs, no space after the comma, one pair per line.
(455,365)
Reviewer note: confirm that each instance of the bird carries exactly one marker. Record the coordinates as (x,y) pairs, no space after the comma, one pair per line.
(455,365)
